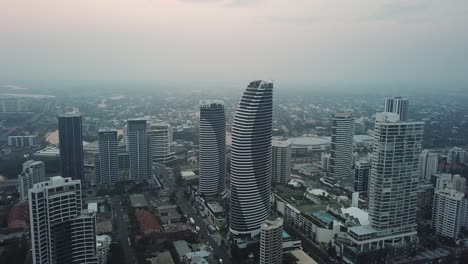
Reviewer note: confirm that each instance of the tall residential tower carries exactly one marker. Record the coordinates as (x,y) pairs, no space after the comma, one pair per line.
(71,146)
(60,231)
(251,160)
(107,171)
(281,169)
(341,157)
(33,172)
(139,150)
(212,142)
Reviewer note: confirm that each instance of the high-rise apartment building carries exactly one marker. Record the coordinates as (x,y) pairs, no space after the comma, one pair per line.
(361,175)
(107,167)
(397,105)
(341,160)
(160,135)
(271,242)
(212,142)
(394,176)
(61,232)
(251,160)
(33,172)
(139,150)
(450,207)
(71,146)
(456,155)
(281,160)
(429,164)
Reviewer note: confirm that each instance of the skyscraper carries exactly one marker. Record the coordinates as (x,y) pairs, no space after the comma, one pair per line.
(139,150)
(271,242)
(71,146)
(429,164)
(212,142)
(361,175)
(397,105)
(394,176)
(281,169)
(107,169)
(251,160)
(160,135)
(341,157)
(33,172)
(60,231)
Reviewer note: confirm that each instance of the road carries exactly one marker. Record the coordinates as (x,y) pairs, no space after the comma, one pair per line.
(122,233)
(187,208)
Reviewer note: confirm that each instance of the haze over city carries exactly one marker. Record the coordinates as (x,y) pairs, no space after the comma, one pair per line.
(220,43)
(233,132)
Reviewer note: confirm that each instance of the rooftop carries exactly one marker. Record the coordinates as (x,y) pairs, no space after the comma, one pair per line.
(138,200)
(302,257)
(181,247)
(281,143)
(362,230)
(323,216)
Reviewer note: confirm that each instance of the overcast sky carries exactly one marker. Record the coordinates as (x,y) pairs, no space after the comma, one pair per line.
(297,41)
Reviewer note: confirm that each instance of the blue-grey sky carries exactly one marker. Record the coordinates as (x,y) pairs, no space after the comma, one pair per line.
(297,41)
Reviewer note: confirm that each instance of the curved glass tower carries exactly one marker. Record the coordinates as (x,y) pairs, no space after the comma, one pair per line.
(212,142)
(251,160)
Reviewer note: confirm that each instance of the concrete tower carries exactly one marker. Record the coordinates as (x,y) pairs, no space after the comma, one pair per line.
(212,142)
(251,160)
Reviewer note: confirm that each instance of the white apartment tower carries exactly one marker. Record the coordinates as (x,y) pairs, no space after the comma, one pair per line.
(107,167)
(429,164)
(212,142)
(33,172)
(160,134)
(341,160)
(61,232)
(394,175)
(251,160)
(397,105)
(450,207)
(281,169)
(271,242)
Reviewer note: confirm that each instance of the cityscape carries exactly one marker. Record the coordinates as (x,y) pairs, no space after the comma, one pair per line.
(146,132)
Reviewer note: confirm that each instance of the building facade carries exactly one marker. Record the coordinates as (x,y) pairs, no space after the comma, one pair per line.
(160,135)
(251,160)
(456,155)
(107,167)
(71,146)
(394,175)
(212,144)
(139,150)
(23,141)
(397,105)
(281,160)
(449,212)
(271,242)
(429,164)
(361,176)
(61,232)
(341,152)
(33,172)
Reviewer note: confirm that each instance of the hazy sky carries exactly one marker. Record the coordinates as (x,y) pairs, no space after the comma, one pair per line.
(296,41)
